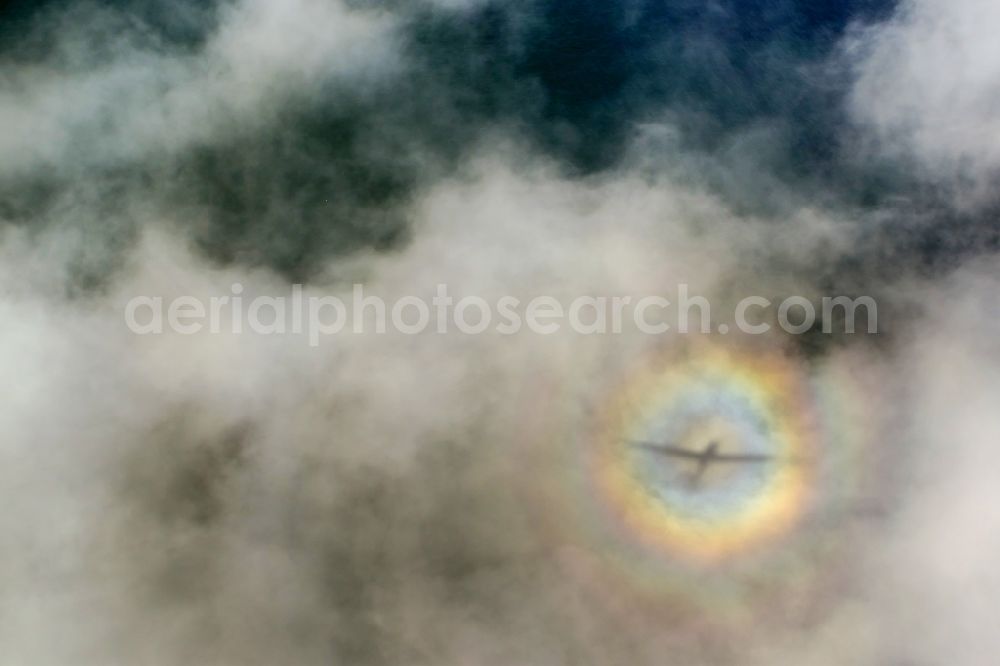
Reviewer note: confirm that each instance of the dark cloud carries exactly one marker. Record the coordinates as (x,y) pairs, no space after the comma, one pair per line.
(575,78)
(754,98)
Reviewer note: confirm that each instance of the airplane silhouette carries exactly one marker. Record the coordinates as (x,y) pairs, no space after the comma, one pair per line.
(704,458)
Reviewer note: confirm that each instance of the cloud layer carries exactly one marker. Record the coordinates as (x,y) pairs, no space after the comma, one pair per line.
(393,499)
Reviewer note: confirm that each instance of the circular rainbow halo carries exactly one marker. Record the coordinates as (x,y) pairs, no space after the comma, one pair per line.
(709,456)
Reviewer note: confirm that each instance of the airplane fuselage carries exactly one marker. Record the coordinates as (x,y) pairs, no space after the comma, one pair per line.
(707,456)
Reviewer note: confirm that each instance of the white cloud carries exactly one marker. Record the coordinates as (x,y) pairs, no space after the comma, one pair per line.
(148,99)
(928,86)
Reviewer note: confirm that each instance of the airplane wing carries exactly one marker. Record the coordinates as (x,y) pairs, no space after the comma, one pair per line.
(678,452)
(742,457)
(667,449)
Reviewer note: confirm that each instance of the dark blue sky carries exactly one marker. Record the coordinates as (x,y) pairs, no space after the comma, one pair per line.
(575,79)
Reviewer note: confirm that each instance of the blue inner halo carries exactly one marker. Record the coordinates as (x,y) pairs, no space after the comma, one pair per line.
(707,412)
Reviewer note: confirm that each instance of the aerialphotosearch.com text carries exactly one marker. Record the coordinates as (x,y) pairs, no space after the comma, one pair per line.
(317,316)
